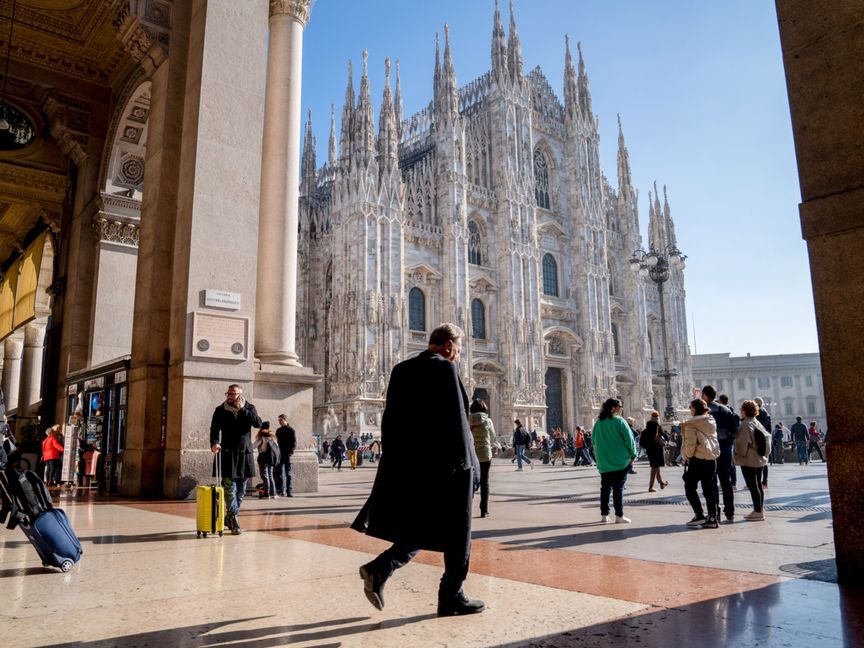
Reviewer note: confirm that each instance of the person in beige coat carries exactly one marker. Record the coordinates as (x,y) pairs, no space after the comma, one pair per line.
(700,449)
(747,456)
(484,438)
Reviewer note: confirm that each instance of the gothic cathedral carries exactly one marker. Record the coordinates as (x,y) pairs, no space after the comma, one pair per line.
(487,209)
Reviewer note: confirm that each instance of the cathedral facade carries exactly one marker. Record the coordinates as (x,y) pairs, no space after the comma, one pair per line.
(487,209)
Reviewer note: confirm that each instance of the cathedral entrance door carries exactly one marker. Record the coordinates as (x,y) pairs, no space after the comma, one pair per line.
(554,399)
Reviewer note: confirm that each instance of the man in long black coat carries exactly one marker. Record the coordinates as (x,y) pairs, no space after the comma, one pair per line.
(422,501)
(235,419)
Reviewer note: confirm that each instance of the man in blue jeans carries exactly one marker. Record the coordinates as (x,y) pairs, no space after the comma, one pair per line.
(234,419)
(287,439)
(726,433)
(799,436)
(521,439)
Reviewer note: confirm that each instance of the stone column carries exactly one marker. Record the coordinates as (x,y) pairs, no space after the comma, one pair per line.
(275,313)
(12,351)
(30,388)
(822,53)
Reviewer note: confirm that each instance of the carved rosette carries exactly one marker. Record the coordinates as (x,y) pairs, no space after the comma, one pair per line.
(297,9)
(116,231)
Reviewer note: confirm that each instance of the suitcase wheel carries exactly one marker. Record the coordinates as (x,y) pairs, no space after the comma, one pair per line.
(66,566)
(205,534)
(197,534)
(220,534)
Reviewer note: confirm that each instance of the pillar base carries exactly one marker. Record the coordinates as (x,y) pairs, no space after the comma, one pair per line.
(846,482)
(279,359)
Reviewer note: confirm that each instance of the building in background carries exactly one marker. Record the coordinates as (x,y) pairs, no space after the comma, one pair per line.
(790,385)
(488,209)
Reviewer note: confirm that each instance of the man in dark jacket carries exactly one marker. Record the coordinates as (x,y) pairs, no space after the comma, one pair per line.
(424,504)
(287,440)
(764,417)
(235,419)
(726,433)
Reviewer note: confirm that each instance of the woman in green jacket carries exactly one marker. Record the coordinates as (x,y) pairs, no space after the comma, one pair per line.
(614,451)
(484,438)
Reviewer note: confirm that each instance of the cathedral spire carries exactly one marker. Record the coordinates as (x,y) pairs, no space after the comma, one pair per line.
(308,165)
(499,48)
(656,225)
(625,180)
(450,95)
(571,83)
(348,116)
(331,144)
(387,136)
(584,92)
(364,136)
(398,104)
(514,49)
(667,218)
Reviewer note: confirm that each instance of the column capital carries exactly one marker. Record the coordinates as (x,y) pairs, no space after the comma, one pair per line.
(297,9)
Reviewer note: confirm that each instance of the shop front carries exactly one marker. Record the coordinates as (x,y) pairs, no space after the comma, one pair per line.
(95,428)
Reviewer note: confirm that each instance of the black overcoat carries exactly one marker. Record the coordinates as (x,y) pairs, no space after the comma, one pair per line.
(424,484)
(650,440)
(236,439)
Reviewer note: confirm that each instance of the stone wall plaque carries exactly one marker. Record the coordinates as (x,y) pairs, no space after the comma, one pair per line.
(220,336)
(222,299)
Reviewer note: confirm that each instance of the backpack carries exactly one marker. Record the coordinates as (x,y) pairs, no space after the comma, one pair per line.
(762,441)
(24,497)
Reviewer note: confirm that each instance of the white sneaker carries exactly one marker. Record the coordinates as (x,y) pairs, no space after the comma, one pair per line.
(518,469)
(755,516)
(605,519)
(622,520)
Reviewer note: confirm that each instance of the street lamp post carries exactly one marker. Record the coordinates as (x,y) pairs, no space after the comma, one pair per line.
(656,266)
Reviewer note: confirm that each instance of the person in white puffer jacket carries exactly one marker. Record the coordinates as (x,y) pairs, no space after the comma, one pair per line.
(700,449)
(747,456)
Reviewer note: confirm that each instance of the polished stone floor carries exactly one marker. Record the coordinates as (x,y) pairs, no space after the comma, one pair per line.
(550,573)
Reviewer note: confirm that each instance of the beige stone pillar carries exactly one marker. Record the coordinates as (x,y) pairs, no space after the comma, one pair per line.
(276,307)
(823,50)
(29,391)
(13,348)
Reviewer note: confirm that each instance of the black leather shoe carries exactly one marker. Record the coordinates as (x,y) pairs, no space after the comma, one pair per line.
(373,586)
(484,514)
(459,605)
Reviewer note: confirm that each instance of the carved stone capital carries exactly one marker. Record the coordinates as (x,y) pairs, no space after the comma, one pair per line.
(297,9)
(120,232)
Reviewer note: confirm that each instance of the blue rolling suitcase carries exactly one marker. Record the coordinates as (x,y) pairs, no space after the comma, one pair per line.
(27,504)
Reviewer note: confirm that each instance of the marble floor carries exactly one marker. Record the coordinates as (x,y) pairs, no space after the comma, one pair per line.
(550,573)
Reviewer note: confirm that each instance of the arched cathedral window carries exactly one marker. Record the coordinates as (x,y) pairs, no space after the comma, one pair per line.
(550,275)
(541,179)
(416,310)
(615,340)
(475,243)
(478,320)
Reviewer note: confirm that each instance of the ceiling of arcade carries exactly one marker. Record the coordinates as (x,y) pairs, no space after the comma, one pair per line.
(69,63)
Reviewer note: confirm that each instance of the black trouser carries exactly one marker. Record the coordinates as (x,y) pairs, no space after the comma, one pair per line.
(764,474)
(613,482)
(815,446)
(484,486)
(753,477)
(455,565)
(701,471)
(724,474)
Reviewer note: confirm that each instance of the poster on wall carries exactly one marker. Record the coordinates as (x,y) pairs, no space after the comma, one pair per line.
(70,453)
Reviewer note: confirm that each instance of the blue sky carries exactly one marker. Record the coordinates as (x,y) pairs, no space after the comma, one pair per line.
(701,92)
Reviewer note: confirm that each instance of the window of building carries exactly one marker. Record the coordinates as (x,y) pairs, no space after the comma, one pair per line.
(811,407)
(808,380)
(764,383)
(478,320)
(550,275)
(615,340)
(741,384)
(475,242)
(416,310)
(541,180)
(789,408)
(785,381)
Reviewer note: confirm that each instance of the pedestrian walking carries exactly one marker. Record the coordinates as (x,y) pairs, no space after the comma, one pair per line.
(286,437)
(337,450)
(352,445)
(778,444)
(521,441)
(424,504)
(700,449)
(615,451)
(752,456)
(483,432)
(653,439)
(231,434)
(813,436)
(801,439)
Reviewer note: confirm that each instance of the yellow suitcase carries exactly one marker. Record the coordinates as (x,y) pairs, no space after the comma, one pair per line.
(210,505)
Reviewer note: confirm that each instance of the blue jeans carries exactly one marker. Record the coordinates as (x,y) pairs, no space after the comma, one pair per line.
(282,475)
(613,482)
(266,471)
(802,452)
(520,456)
(235,490)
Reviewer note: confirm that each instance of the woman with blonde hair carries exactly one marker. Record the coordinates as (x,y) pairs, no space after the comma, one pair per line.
(699,450)
(52,455)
